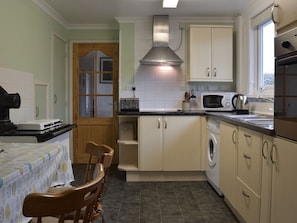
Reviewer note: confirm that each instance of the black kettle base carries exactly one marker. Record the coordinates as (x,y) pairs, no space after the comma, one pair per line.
(241,112)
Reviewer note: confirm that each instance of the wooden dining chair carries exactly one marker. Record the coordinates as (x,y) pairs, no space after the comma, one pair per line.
(98,153)
(55,207)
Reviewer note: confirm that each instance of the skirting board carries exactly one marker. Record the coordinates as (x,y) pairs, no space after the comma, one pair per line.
(139,176)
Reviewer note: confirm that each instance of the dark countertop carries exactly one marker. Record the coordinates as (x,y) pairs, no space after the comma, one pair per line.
(222,116)
(162,112)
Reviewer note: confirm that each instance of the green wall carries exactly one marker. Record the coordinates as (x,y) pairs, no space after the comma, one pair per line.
(26,38)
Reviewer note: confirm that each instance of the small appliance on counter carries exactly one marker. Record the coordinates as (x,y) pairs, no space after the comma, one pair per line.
(240,104)
(216,101)
(7,101)
(129,104)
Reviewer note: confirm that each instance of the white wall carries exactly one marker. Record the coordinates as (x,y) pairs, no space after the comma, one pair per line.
(15,81)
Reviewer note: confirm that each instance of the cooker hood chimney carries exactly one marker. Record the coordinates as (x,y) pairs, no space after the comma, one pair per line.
(160,53)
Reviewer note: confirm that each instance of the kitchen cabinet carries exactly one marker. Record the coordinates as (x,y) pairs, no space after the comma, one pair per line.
(279,176)
(240,170)
(249,158)
(249,174)
(210,53)
(284,13)
(128,143)
(228,161)
(169,143)
(266,186)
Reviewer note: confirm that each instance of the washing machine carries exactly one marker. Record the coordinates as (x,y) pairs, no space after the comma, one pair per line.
(213,154)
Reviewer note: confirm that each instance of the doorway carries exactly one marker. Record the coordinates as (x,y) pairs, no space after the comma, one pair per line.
(95,96)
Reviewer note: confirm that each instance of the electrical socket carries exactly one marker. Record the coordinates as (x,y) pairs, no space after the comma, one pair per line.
(131,87)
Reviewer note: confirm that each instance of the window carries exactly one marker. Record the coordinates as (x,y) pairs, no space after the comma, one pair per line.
(265,57)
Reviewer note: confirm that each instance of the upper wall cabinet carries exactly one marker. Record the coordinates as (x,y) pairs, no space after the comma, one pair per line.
(284,14)
(210,53)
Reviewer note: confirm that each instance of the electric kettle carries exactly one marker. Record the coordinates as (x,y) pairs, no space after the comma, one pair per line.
(240,102)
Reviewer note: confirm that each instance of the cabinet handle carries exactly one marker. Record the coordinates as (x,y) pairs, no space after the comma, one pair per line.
(36,112)
(159,123)
(265,144)
(233,137)
(208,72)
(247,157)
(247,136)
(214,72)
(165,123)
(55,99)
(271,154)
(272,13)
(245,194)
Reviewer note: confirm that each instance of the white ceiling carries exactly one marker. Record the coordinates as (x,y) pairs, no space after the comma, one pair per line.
(103,12)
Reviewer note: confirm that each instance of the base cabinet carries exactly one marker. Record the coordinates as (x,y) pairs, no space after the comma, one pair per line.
(228,161)
(169,143)
(281,172)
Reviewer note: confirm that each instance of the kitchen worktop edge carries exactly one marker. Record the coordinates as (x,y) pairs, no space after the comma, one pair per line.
(222,116)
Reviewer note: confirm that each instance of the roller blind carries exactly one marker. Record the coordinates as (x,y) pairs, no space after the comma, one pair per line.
(262,17)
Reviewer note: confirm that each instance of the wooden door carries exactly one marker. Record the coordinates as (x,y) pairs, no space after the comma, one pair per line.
(95,96)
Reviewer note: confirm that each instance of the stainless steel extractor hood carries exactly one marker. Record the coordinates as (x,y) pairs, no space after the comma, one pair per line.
(160,53)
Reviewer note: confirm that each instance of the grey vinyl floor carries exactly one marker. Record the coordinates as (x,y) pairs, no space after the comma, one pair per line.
(159,202)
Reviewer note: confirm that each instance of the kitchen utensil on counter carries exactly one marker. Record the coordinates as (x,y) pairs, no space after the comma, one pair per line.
(186,106)
(240,103)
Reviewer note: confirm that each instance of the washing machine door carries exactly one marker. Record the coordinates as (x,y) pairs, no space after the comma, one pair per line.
(212,150)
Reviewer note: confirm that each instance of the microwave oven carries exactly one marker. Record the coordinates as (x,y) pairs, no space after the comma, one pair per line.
(216,101)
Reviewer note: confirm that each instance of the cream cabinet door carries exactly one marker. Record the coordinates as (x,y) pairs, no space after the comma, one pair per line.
(267,145)
(200,53)
(284,181)
(222,54)
(285,13)
(228,161)
(150,143)
(181,143)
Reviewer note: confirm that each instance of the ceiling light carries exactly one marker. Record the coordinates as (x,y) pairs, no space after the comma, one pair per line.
(170,3)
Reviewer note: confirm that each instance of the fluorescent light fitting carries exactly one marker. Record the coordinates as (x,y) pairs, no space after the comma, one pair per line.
(170,3)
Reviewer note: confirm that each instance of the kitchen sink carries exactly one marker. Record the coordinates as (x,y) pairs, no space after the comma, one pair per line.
(263,121)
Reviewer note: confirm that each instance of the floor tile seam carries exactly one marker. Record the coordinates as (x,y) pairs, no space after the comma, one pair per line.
(160,212)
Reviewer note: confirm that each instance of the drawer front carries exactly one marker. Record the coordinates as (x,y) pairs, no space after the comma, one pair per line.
(248,203)
(250,160)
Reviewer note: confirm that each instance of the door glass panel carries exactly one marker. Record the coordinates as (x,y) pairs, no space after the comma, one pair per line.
(86,106)
(86,83)
(87,62)
(103,87)
(95,85)
(104,104)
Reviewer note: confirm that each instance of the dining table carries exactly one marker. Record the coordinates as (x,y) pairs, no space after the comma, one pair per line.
(27,168)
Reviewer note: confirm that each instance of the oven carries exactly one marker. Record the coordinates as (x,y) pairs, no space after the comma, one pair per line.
(285,105)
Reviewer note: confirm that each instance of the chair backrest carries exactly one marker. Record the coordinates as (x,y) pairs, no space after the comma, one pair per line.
(98,154)
(72,200)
